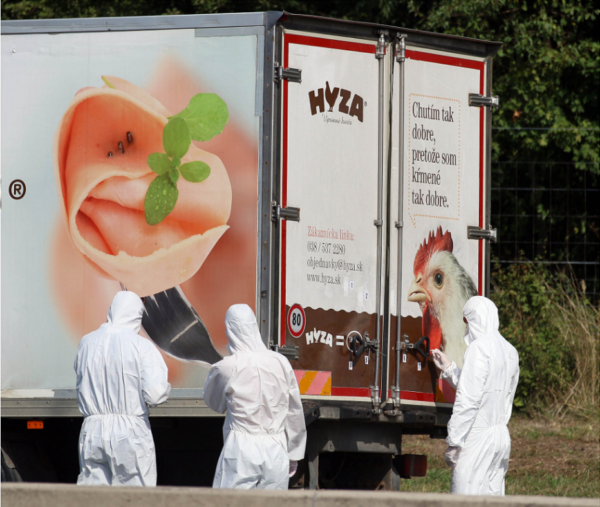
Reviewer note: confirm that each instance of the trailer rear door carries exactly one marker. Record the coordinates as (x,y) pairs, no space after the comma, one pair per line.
(330,170)
(442,152)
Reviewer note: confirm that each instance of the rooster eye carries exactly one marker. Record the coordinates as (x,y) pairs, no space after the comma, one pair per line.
(438,279)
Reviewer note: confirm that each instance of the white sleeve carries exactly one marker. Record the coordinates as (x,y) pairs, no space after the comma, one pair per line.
(155,385)
(217,383)
(514,380)
(78,357)
(75,362)
(295,427)
(468,396)
(451,374)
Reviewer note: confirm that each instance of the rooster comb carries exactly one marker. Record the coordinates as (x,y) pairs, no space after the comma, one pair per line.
(437,242)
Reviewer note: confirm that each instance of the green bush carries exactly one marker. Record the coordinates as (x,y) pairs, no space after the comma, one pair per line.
(547,317)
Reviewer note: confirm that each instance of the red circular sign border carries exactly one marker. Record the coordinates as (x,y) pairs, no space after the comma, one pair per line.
(303,320)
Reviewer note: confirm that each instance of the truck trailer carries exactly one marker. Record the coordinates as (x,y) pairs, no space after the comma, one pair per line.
(285,161)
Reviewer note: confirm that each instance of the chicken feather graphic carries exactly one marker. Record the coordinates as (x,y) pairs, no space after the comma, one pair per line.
(441,287)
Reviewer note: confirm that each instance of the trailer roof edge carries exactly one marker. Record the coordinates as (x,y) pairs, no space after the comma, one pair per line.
(28,26)
(267,19)
(417,37)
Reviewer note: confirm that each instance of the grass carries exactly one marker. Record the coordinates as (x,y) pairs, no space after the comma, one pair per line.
(578,324)
(548,317)
(550,456)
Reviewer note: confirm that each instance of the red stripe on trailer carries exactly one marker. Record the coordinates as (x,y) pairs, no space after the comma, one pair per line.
(318,42)
(362,392)
(415,396)
(445,60)
(286,54)
(366,393)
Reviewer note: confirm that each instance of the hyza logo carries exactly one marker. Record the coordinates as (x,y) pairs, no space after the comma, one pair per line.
(317,336)
(318,97)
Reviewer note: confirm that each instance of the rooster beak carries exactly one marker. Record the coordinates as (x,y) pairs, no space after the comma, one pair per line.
(416,293)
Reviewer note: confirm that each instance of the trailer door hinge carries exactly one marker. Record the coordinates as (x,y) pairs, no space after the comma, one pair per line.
(476,100)
(287,213)
(376,400)
(474,232)
(400,47)
(380,48)
(291,75)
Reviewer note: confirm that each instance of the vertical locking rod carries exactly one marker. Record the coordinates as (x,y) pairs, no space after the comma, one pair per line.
(375,395)
(400,58)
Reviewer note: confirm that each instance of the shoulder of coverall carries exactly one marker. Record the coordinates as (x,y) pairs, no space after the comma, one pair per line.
(99,334)
(286,366)
(226,366)
(482,348)
(226,362)
(146,344)
(90,336)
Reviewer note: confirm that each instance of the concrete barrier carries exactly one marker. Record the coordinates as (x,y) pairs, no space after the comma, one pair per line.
(67,495)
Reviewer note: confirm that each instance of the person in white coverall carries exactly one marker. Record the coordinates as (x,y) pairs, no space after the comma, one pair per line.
(119,374)
(264,432)
(478,438)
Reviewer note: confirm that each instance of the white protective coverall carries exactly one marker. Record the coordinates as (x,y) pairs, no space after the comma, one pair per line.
(119,374)
(486,389)
(264,428)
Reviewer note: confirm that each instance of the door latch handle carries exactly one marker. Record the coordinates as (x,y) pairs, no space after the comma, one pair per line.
(476,100)
(356,343)
(418,347)
(289,74)
(287,213)
(474,232)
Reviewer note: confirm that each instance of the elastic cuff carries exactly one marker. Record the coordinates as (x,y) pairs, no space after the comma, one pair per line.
(449,370)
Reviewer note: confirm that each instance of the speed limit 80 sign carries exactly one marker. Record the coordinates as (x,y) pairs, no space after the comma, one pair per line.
(296,321)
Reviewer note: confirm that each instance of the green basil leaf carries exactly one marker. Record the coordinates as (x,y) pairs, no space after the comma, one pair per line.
(206,116)
(176,138)
(160,163)
(195,171)
(161,198)
(174,175)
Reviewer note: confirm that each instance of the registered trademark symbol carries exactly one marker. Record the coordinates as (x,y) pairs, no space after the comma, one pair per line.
(17,189)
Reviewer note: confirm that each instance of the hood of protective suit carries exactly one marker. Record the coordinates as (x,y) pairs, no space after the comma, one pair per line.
(126,311)
(482,318)
(242,330)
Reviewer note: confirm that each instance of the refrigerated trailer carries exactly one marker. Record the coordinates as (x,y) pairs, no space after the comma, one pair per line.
(346,200)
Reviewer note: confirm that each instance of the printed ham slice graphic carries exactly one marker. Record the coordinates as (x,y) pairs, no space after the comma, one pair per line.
(100,152)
